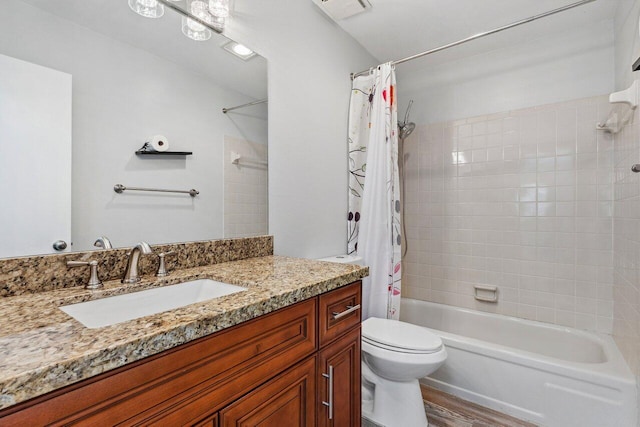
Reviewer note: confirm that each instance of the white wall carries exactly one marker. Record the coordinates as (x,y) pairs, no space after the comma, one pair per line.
(626,219)
(246,205)
(527,204)
(520,200)
(122,95)
(553,68)
(627,42)
(310,59)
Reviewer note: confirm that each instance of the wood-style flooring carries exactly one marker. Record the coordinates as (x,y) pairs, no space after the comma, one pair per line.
(446,410)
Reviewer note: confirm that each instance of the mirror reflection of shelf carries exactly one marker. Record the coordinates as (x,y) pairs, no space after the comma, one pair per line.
(164,153)
(626,102)
(238,159)
(147,150)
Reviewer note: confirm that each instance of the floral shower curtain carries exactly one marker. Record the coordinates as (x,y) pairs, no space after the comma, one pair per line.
(374,190)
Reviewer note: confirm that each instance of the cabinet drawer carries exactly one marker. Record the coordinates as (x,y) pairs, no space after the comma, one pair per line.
(339,311)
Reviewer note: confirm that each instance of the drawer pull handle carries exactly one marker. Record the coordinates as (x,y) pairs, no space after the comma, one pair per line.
(350,309)
(329,404)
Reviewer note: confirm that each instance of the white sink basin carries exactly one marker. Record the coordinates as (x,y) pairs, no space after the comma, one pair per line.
(111,310)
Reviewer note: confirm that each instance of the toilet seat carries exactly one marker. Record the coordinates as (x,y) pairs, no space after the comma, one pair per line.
(393,335)
(398,349)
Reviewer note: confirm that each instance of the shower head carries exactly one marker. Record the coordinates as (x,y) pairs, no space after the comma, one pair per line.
(406,115)
(406,127)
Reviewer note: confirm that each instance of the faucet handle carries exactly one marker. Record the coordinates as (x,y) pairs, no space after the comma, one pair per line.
(94,282)
(162,270)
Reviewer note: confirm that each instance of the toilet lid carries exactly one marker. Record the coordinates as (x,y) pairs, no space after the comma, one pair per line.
(400,335)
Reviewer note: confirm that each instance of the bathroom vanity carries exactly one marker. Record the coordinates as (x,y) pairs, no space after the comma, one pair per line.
(271,369)
(284,352)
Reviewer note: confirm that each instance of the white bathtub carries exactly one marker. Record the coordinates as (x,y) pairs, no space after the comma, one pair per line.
(546,374)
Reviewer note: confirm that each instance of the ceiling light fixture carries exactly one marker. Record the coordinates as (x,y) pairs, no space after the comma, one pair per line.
(147,8)
(193,29)
(239,50)
(219,8)
(198,19)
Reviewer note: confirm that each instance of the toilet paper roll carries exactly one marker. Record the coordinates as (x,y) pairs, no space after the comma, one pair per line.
(158,142)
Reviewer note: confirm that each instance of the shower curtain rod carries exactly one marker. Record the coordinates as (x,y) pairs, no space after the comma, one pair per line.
(248,104)
(480,35)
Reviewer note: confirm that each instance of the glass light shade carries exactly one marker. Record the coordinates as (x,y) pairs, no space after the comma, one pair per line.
(193,29)
(218,23)
(147,8)
(219,8)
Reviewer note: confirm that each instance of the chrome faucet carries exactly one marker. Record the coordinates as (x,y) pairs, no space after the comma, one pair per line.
(131,274)
(103,242)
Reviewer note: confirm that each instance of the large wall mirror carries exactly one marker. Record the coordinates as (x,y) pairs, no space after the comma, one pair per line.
(83,85)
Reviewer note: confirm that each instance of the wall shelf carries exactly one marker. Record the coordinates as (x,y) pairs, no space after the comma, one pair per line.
(163,153)
(147,150)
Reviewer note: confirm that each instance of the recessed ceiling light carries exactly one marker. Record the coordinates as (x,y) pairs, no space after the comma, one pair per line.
(242,50)
(239,50)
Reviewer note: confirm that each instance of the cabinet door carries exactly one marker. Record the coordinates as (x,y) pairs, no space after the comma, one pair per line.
(209,422)
(287,400)
(339,382)
(35,157)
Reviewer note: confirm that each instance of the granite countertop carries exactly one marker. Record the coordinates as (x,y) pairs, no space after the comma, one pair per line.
(43,349)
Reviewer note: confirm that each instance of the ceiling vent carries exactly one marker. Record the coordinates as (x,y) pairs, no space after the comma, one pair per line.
(342,9)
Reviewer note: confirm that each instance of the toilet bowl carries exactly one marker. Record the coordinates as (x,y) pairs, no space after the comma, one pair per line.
(394,356)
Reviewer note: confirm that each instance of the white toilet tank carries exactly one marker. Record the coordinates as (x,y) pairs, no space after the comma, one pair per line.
(344,259)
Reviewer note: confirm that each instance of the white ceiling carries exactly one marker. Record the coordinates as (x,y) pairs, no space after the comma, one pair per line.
(395,29)
(163,37)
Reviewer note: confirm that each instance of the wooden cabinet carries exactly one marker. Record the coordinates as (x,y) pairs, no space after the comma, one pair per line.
(339,311)
(339,382)
(208,422)
(266,371)
(339,318)
(287,400)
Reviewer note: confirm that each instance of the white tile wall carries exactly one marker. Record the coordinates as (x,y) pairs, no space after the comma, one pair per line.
(521,200)
(626,244)
(245,189)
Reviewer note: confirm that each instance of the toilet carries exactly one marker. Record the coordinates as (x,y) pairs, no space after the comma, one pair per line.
(395,355)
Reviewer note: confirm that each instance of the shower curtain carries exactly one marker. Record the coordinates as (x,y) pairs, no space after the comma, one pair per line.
(374,190)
